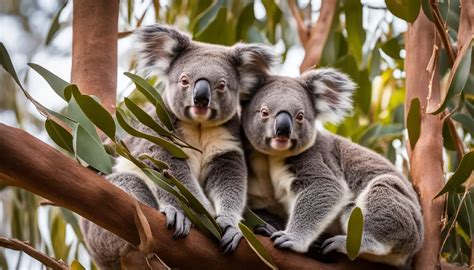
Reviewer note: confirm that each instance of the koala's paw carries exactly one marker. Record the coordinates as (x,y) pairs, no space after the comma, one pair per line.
(334,244)
(176,218)
(283,239)
(265,230)
(232,234)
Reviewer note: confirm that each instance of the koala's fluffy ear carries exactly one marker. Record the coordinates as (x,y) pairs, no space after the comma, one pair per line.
(253,62)
(158,47)
(331,93)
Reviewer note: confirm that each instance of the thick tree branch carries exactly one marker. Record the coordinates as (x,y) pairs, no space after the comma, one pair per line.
(318,34)
(94,48)
(40,256)
(30,164)
(426,158)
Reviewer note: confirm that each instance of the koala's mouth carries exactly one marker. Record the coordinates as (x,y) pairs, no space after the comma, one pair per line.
(280,143)
(199,113)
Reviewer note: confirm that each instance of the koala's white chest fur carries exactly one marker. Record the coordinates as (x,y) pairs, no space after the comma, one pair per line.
(211,141)
(270,183)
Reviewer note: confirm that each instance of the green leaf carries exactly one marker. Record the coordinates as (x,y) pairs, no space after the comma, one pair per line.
(251,219)
(392,48)
(466,121)
(6,63)
(425,5)
(461,174)
(167,145)
(75,113)
(154,97)
(204,19)
(145,119)
(219,31)
(355,228)
(55,26)
(91,150)
(94,111)
(58,238)
(404,9)
(355,31)
(59,135)
(76,265)
(54,81)
(414,122)
(244,22)
(457,77)
(200,221)
(157,163)
(256,246)
(363,94)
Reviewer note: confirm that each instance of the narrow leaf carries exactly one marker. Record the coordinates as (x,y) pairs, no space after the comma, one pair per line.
(76,265)
(54,81)
(157,163)
(167,145)
(251,219)
(404,9)
(461,174)
(200,221)
(146,119)
(90,150)
(153,96)
(95,112)
(59,135)
(55,26)
(256,246)
(414,122)
(354,233)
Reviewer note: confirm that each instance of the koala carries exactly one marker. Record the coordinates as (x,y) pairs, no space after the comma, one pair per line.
(203,85)
(317,178)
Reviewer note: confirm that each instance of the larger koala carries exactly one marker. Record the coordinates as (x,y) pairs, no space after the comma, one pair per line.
(319,177)
(202,95)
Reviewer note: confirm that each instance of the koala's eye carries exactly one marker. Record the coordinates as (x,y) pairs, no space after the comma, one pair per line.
(184,81)
(300,117)
(221,86)
(264,113)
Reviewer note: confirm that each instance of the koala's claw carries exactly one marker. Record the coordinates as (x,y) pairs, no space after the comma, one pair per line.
(282,239)
(265,230)
(334,244)
(176,218)
(232,234)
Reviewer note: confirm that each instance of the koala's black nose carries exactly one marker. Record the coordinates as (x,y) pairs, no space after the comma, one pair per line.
(283,124)
(201,93)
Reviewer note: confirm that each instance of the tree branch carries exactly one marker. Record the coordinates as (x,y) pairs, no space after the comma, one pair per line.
(426,161)
(31,164)
(442,31)
(38,255)
(94,49)
(318,35)
(303,31)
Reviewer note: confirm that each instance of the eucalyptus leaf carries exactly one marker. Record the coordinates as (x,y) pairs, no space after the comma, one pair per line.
(461,174)
(55,26)
(145,118)
(251,219)
(56,83)
(404,9)
(167,145)
(59,135)
(355,228)
(76,265)
(154,97)
(414,122)
(157,163)
(198,221)
(91,150)
(256,246)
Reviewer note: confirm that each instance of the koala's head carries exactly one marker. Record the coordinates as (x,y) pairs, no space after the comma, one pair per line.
(280,117)
(203,80)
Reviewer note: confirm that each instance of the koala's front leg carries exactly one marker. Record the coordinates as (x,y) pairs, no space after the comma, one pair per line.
(168,203)
(227,188)
(318,202)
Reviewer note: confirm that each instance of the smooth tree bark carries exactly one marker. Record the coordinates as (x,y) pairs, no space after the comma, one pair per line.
(30,164)
(314,37)
(94,49)
(426,162)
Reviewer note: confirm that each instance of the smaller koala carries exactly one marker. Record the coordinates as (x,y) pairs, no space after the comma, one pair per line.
(318,177)
(203,84)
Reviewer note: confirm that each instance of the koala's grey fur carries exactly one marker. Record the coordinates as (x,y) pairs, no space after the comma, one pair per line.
(219,172)
(317,178)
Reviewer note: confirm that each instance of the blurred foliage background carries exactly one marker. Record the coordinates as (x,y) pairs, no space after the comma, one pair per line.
(366,41)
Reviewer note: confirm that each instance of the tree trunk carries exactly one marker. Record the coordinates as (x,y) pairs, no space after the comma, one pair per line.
(426,158)
(94,49)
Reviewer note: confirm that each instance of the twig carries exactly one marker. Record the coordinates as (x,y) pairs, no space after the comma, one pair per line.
(38,255)
(454,220)
(439,23)
(303,31)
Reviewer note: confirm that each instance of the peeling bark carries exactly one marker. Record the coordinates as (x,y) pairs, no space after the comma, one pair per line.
(426,161)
